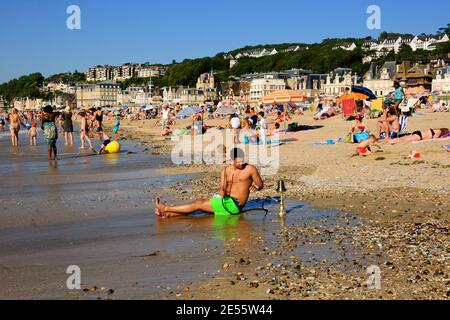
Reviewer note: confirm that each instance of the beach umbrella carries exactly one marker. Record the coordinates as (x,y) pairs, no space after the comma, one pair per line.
(365,91)
(188,111)
(282,96)
(225,110)
(354,96)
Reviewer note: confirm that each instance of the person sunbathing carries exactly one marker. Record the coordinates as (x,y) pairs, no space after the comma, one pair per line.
(363,147)
(237,181)
(326,113)
(422,135)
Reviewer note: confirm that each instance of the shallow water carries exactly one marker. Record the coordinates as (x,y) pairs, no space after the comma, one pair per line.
(96,212)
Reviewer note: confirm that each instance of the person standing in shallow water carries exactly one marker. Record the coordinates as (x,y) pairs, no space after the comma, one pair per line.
(14,126)
(50,132)
(68,126)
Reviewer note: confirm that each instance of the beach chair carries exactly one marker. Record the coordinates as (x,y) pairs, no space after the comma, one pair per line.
(348,108)
(377,105)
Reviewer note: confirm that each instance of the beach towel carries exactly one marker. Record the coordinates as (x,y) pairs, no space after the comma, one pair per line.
(431,140)
(447,147)
(328,142)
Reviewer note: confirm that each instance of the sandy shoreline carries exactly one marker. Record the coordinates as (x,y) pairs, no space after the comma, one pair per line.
(403,205)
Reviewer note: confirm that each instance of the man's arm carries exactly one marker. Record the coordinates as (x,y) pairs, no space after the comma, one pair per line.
(223,183)
(258,183)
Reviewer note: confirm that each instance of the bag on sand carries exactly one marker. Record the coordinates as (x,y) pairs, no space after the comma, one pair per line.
(50,131)
(348,138)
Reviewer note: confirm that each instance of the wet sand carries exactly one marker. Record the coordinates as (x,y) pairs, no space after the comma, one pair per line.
(95,212)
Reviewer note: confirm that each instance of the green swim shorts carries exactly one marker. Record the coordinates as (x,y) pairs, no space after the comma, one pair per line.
(51,143)
(224,206)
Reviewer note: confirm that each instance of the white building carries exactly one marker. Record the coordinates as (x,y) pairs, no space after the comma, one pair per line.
(345,46)
(263,86)
(338,81)
(442,81)
(418,42)
(381,81)
(257,53)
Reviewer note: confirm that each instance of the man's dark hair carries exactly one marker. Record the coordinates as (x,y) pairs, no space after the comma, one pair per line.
(261,113)
(48,109)
(237,153)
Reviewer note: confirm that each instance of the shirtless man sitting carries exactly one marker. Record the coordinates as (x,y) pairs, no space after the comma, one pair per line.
(237,181)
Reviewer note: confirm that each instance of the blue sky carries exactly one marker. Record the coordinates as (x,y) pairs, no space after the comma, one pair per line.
(34,37)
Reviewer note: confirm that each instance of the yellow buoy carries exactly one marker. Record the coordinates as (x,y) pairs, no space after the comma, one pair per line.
(113,147)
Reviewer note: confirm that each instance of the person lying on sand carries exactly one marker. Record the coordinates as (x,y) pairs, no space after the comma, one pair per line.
(237,181)
(326,113)
(422,135)
(363,147)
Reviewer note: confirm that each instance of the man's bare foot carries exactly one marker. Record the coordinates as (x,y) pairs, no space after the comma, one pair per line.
(157,203)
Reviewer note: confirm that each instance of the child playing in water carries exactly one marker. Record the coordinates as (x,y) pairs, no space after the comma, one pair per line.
(32,133)
(106,140)
(363,147)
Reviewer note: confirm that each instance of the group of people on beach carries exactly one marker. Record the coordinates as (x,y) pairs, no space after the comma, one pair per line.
(52,123)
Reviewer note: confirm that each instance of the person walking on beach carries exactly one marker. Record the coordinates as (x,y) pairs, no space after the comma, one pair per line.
(14,126)
(237,181)
(50,131)
(263,127)
(116,127)
(99,118)
(68,126)
(165,116)
(399,97)
(84,132)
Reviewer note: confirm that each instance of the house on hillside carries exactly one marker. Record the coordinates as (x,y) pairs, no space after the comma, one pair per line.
(345,46)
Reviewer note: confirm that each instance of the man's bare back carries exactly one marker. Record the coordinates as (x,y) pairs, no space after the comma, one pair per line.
(239,182)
